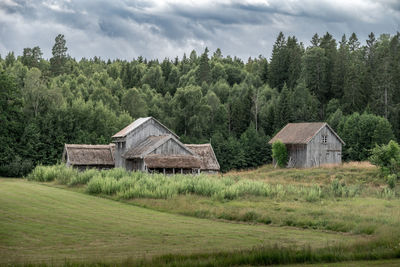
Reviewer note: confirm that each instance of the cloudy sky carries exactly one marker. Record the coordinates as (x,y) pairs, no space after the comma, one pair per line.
(158,29)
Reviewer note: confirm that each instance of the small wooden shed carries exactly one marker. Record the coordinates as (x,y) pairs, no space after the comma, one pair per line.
(310,144)
(89,156)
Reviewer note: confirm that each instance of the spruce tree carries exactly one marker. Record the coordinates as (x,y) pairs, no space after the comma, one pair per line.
(59,59)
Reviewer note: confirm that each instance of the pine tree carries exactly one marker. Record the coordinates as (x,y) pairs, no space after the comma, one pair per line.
(59,59)
(340,68)
(203,72)
(278,67)
(283,110)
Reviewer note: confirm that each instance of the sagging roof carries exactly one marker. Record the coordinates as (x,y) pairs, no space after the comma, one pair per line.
(172,161)
(150,144)
(93,155)
(207,156)
(300,133)
(131,127)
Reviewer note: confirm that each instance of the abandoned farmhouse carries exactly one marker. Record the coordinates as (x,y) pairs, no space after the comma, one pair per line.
(147,145)
(310,144)
(144,145)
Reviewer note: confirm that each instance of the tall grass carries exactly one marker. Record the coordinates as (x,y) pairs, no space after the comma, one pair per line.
(128,185)
(60,173)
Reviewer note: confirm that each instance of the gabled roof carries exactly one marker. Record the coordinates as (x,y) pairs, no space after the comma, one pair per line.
(94,155)
(207,156)
(301,133)
(150,144)
(172,161)
(134,125)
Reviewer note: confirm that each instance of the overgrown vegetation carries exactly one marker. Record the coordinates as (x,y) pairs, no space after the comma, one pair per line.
(387,157)
(279,153)
(302,198)
(128,185)
(237,105)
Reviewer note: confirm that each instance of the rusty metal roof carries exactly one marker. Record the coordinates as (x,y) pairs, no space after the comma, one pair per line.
(206,153)
(300,133)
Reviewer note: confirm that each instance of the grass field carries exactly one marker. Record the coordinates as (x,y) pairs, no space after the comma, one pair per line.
(314,215)
(45,224)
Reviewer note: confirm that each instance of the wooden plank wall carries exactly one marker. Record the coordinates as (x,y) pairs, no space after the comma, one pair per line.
(319,153)
(171,147)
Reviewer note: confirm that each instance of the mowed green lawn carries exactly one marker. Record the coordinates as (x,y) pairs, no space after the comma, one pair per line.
(39,223)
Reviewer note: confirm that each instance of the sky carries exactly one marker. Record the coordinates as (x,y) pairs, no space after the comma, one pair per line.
(153,29)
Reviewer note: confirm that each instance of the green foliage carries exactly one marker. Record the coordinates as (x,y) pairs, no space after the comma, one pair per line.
(59,51)
(387,157)
(60,173)
(47,103)
(279,153)
(128,185)
(361,133)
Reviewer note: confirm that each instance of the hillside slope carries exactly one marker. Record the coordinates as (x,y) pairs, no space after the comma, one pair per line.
(39,223)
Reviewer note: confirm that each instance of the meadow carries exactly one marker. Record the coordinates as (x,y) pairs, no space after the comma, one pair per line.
(262,216)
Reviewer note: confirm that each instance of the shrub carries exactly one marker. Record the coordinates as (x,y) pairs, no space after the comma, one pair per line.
(279,153)
(16,168)
(60,173)
(391,180)
(387,157)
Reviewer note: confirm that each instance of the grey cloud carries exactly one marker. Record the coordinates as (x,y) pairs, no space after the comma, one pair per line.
(127,29)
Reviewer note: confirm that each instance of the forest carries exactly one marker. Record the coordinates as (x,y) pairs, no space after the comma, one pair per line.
(207,97)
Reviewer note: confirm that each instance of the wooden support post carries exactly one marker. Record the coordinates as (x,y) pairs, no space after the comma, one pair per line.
(198,171)
(164,170)
(173,170)
(181,171)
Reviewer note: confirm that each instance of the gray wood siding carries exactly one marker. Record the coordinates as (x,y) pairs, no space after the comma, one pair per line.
(297,155)
(319,153)
(135,165)
(170,148)
(150,127)
(145,130)
(120,148)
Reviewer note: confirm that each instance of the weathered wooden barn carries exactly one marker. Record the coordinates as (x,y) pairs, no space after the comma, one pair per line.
(89,156)
(310,144)
(144,145)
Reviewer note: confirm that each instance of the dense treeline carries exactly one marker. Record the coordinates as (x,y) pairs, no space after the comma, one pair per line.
(236,105)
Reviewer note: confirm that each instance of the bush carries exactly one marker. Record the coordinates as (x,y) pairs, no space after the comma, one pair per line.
(17,168)
(279,153)
(391,180)
(61,173)
(387,157)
